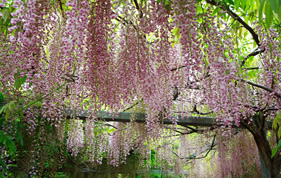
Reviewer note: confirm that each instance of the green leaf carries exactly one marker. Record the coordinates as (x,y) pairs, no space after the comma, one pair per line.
(261,9)
(268,14)
(217,9)
(3,165)
(19,82)
(3,109)
(243,4)
(8,112)
(273,5)
(278,117)
(9,144)
(279,132)
(168,7)
(274,125)
(1,97)
(277,120)
(7,108)
(11,105)
(275,149)
(230,2)
(2,138)
(279,14)
(19,138)
(6,14)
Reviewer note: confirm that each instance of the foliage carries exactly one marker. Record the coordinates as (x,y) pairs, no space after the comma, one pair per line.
(275,149)
(8,140)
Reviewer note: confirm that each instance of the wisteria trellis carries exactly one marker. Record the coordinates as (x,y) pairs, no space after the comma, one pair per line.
(109,54)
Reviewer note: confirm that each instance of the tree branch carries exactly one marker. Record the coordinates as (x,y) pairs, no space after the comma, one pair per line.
(262,120)
(247,126)
(262,87)
(184,133)
(211,147)
(236,17)
(125,22)
(245,25)
(61,8)
(195,110)
(138,8)
(133,105)
(251,68)
(176,68)
(254,53)
(106,124)
(193,129)
(194,156)
(175,130)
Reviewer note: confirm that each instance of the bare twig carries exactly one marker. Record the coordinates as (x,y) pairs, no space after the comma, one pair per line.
(61,8)
(195,110)
(211,147)
(251,68)
(133,105)
(175,130)
(262,87)
(138,8)
(194,156)
(193,129)
(183,133)
(254,53)
(176,68)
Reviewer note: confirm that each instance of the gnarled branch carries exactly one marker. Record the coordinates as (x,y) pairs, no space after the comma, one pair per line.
(194,156)
(254,53)
(236,17)
(262,87)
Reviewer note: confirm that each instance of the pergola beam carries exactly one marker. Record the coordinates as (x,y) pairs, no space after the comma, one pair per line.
(141,118)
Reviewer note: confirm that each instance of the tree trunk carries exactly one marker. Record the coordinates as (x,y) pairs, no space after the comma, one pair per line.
(272,165)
